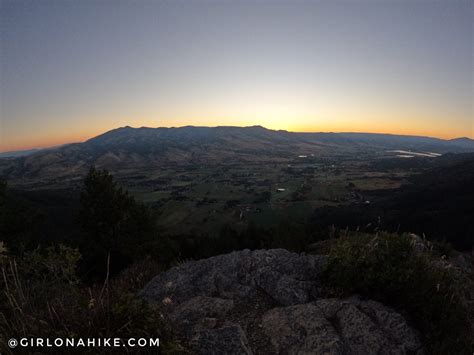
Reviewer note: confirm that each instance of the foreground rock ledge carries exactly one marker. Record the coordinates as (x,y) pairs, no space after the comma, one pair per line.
(270,302)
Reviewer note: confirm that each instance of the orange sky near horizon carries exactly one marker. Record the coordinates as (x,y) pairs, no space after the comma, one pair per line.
(55,138)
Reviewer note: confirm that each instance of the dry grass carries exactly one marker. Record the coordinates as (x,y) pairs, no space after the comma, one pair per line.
(53,303)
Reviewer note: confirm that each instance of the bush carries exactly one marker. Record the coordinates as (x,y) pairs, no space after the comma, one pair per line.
(386,267)
(44,298)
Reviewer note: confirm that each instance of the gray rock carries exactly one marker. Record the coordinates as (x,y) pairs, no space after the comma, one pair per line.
(332,326)
(301,329)
(229,339)
(392,324)
(288,278)
(270,302)
(201,307)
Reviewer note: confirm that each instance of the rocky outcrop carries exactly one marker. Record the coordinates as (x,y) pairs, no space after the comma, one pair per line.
(271,302)
(286,277)
(332,326)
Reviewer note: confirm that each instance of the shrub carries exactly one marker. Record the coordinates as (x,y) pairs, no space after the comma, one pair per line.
(386,267)
(44,298)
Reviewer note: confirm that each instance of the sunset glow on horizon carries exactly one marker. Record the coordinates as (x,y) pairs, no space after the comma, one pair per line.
(33,143)
(73,70)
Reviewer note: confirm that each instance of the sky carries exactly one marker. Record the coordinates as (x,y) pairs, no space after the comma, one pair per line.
(70,70)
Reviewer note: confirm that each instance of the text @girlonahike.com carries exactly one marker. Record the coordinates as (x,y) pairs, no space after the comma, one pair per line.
(83,342)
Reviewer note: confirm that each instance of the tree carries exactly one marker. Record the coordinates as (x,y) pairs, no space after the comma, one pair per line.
(3,203)
(3,193)
(3,212)
(20,223)
(113,223)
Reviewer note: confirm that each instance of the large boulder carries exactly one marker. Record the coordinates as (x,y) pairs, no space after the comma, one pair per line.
(271,302)
(288,278)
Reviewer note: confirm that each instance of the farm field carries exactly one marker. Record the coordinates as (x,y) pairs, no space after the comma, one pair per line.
(203,199)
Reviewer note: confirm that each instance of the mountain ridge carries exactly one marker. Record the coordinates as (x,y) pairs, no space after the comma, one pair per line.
(130,128)
(145,148)
(461,141)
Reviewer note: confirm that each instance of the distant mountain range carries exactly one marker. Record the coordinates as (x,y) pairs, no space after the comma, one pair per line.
(18,153)
(148,148)
(191,135)
(26,152)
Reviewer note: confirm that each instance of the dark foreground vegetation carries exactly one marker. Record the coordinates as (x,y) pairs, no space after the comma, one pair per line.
(44,298)
(86,286)
(71,267)
(391,268)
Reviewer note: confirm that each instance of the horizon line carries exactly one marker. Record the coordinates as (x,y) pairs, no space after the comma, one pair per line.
(50,146)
